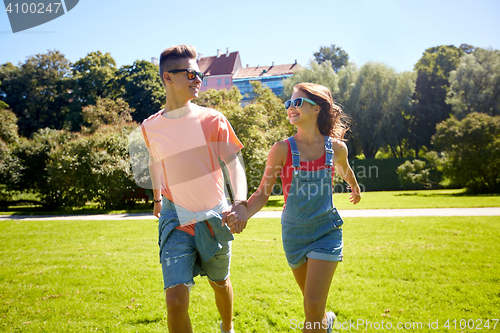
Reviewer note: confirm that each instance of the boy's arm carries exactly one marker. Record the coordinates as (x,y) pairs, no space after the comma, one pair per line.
(345,171)
(155,172)
(239,189)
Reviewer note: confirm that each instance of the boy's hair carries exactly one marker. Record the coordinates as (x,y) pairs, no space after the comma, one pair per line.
(169,58)
(332,121)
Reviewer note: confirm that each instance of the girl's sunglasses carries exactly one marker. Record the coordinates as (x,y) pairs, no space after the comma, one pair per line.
(297,103)
(191,73)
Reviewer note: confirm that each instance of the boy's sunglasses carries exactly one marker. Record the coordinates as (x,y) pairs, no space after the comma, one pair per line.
(191,73)
(297,103)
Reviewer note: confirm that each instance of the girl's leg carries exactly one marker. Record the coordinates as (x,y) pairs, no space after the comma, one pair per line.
(300,276)
(314,279)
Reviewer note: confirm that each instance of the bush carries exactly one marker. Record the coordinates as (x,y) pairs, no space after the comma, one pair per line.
(8,125)
(34,154)
(68,169)
(106,112)
(423,172)
(10,173)
(471,151)
(91,168)
(114,186)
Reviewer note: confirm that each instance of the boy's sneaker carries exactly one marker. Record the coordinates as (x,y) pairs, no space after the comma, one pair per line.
(330,319)
(231,331)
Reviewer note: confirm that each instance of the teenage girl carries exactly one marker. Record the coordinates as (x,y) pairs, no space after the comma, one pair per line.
(311,225)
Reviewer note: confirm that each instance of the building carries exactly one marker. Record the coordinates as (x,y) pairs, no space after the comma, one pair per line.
(270,76)
(219,70)
(224,70)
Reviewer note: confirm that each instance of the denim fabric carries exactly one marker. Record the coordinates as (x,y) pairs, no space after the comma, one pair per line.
(311,226)
(202,245)
(181,262)
(185,215)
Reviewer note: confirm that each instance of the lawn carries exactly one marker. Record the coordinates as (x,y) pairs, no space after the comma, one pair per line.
(370,200)
(406,199)
(81,276)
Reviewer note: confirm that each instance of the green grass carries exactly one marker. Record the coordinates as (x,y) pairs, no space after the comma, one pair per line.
(406,199)
(370,200)
(81,276)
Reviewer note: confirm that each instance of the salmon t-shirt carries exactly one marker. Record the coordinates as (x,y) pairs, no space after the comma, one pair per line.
(189,149)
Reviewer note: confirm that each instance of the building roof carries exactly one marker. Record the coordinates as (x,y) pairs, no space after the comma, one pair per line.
(223,64)
(262,71)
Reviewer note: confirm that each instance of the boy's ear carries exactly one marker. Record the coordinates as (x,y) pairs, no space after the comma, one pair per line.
(167,77)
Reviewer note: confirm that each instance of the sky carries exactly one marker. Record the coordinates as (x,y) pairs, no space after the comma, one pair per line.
(394,32)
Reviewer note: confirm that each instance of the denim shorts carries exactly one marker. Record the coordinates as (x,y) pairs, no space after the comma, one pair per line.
(320,238)
(181,262)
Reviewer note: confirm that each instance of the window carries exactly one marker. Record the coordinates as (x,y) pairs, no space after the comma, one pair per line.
(205,82)
(227,81)
(218,82)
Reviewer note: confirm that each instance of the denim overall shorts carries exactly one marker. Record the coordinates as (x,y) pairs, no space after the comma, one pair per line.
(311,227)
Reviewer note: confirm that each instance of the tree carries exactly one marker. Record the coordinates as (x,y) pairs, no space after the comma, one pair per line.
(7,71)
(432,87)
(475,84)
(369,105)
(141,87)
(471,149)
(338,57)
(36,91)
(468,49)
(92,79)
(399,107)
(315,73)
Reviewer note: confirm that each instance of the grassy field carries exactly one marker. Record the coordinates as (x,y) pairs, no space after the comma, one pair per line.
(407,199)
(370,200)
(81,276)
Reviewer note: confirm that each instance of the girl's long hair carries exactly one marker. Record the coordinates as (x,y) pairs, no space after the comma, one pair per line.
(332,121)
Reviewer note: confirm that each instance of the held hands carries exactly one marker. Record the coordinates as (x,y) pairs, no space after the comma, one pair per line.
(236,218)
(355,194)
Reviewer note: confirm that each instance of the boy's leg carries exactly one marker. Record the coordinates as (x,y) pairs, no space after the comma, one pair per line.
(223,291)
(178,257)
(177,299)
(217,270)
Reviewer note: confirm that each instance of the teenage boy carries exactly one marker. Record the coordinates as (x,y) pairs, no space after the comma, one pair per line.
(185,144)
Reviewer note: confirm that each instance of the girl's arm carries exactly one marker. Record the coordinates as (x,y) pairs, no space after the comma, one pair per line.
(345,171)
(275,161)
(238,183)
